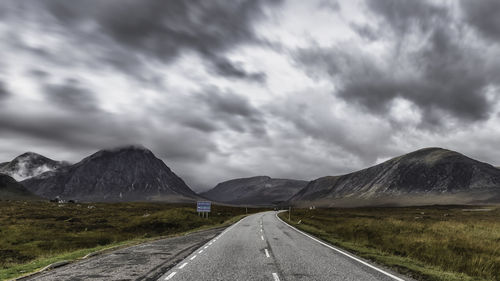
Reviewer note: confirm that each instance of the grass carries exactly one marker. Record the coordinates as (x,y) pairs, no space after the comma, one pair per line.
(36,234)
(442,243)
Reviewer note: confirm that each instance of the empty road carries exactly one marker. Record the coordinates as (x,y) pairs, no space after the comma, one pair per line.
(262,247)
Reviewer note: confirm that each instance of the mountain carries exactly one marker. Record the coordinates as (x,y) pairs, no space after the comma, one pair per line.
(426,176)
(130,173)
(28,165)
(10,189)
(261,190)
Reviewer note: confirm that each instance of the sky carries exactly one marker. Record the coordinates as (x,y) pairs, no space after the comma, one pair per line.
(227,89)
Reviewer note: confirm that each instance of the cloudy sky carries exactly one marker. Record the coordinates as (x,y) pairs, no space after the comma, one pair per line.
(225,89)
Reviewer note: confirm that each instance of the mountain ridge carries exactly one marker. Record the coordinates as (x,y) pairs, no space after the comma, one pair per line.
(126,173)
(420,174)
(257,190)
(30,164)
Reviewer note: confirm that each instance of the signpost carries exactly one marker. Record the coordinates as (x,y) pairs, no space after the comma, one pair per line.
(203,207)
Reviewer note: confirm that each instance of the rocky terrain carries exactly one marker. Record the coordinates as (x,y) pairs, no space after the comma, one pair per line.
(426,176)
(129,173)
(29,165)
(10,189)
(260,190)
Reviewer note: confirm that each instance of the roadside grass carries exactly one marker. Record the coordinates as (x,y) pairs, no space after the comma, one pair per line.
(437,243)
(36,234)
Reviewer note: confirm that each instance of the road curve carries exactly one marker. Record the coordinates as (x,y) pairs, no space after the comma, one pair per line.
(262,247)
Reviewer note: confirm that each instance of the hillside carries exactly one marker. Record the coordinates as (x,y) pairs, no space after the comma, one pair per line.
(123,174)
(260,190)
(10,189)
(426,176)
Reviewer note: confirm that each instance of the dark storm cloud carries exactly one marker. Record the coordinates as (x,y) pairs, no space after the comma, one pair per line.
(39,74)
(402,15)
(3,90)
(483,15)
(228,69)
(231,109)
(162,30)
(70,95)
(443,77)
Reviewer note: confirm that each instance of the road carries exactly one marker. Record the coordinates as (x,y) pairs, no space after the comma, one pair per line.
(262,247)
(146,261)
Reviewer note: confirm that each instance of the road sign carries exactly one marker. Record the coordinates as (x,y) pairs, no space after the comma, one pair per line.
(203,206)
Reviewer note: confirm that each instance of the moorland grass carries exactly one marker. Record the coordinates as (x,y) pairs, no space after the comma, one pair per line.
(435,243)
(35,234)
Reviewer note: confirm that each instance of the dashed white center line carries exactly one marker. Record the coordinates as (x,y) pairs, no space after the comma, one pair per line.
(183,265)
(210,243)
(201,251)
(275,276)
(170,275)
(267,253)
(193,257)
(262,237)
(205,247)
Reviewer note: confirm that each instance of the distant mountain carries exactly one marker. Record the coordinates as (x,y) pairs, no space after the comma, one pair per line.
(261,190)
(29,165)
(426,176)
(10,189)
(129,173)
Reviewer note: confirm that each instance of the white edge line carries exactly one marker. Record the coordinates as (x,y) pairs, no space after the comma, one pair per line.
(170,275)
(275,276)
(342,252)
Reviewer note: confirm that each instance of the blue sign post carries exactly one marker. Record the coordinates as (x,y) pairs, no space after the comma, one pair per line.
(203,207)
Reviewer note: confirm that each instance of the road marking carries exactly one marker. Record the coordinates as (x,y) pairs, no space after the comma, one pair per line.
(193,257)
(183,265)
(205,247)
(201,251)
(275,276)
(267,253)
(261,230)
(341,252)
(210,243)
(170,275)
(262,237)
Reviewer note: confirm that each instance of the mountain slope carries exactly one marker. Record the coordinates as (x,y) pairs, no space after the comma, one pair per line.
(29,165)
(123,174)
(10,189)
(261,190)
(431,175)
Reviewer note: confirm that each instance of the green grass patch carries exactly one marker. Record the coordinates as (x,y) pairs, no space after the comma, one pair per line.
(442,243)
(36,234)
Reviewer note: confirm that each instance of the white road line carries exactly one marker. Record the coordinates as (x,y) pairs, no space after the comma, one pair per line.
(170,275)
(193,257)
(183,265)
(275,276)
(267,253)
(201,251)
(342,252)
(210,243)
(205,247)
(262,237)
(261,230)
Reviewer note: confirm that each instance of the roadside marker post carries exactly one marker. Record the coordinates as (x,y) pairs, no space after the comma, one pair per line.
(203,208)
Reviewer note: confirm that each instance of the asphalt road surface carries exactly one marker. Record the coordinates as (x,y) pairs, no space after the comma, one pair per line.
(262,247)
